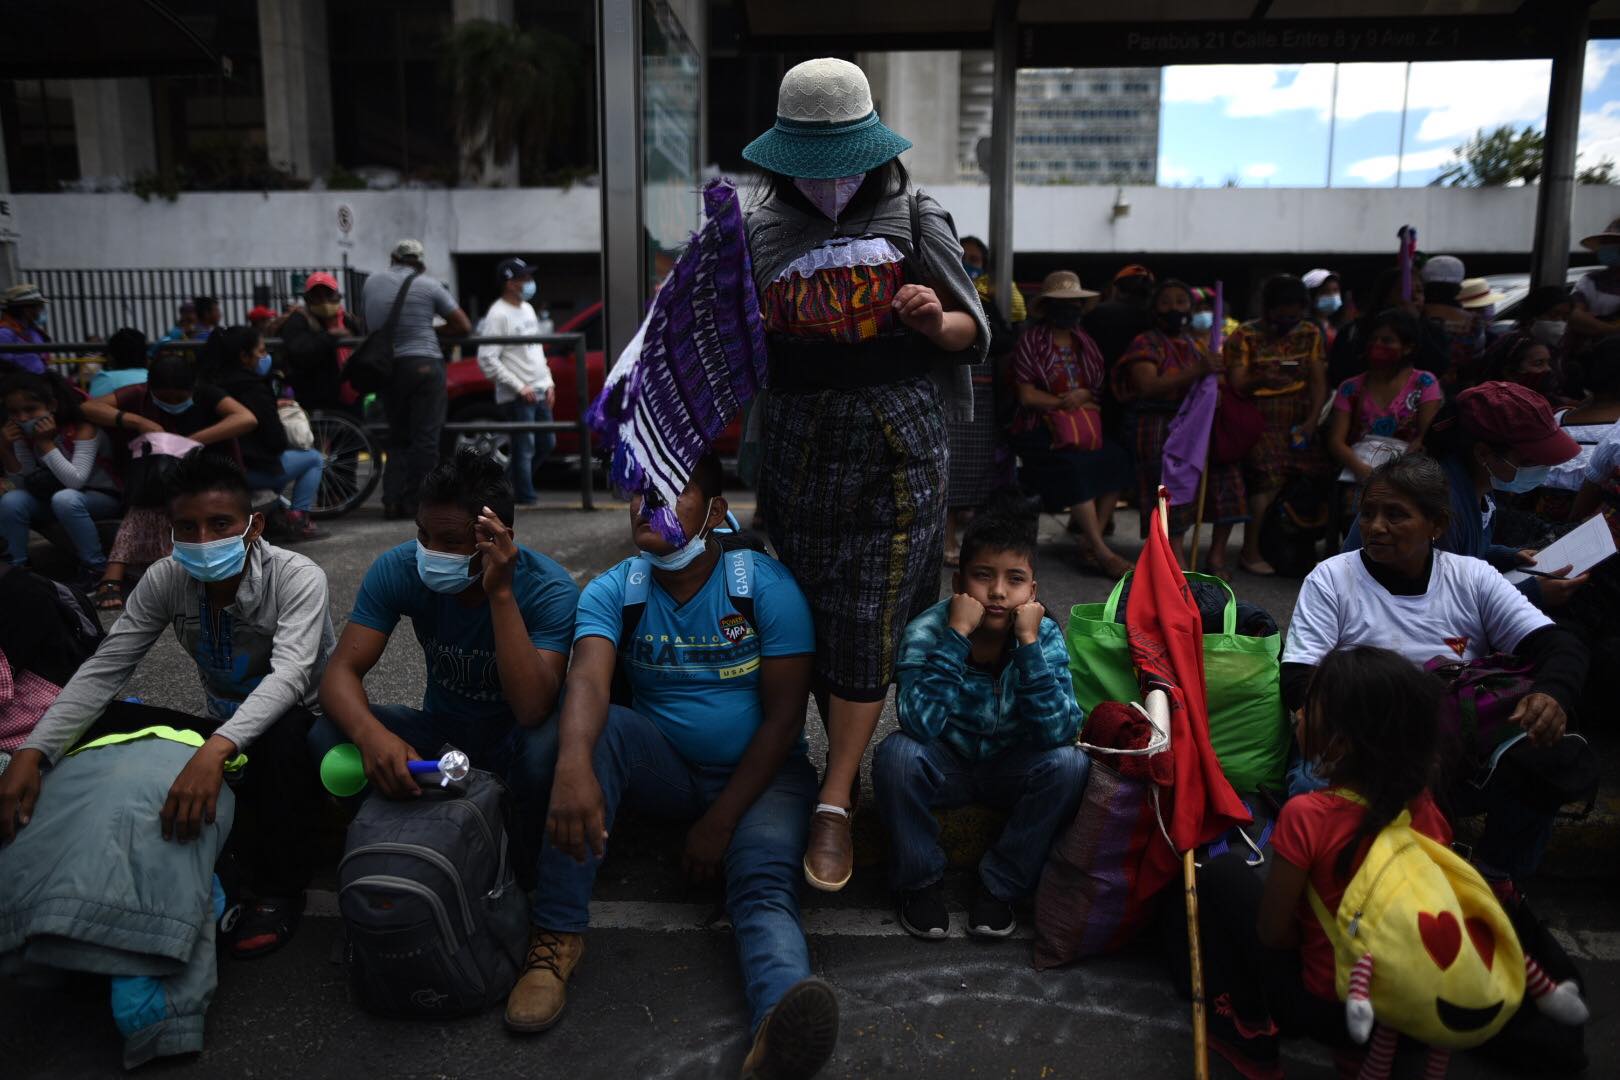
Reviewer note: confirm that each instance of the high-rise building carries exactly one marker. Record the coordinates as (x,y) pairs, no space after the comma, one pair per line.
(1075,125)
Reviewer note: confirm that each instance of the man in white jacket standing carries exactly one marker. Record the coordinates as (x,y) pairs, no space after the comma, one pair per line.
(523,387)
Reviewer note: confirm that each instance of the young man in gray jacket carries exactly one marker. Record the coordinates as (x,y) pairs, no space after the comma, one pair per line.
(254,618)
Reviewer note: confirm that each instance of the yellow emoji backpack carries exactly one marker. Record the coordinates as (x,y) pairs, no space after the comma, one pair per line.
(1422,937)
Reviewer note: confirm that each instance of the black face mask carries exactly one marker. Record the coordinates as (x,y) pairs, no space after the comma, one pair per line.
(1173,321)
(1063,316)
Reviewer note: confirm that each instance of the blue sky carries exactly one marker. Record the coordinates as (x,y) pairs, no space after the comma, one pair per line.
(1267,124)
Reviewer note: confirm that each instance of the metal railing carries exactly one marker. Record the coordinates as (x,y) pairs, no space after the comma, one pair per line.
(95,303)
(82,352)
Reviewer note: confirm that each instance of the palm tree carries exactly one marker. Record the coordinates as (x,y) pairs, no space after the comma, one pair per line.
(514,93)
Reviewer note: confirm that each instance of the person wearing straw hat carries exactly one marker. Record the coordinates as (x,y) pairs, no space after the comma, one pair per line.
(23,323)
(1597,295)
(872,325)
(1060,374)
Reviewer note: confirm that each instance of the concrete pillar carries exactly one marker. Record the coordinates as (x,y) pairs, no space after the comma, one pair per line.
(297,85)
(488,173)
(1556,195)
(918,95)
(112,121)
(1003,114)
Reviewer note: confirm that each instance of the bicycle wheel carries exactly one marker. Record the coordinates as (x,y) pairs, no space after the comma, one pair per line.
(353,463)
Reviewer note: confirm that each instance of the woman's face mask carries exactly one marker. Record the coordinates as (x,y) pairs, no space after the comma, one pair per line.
(1063,316)
(1172,321)
(1521,479)
(528,290)
(1328,303)
(830,196)
(326,310)
(1202,320)
(1608,256)
(172,408)
(1383,355)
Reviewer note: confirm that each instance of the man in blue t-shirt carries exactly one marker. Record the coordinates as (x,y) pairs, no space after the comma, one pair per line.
(494,620)
(715,647)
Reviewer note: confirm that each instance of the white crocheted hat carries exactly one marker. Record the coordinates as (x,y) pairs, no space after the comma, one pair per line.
(825,125)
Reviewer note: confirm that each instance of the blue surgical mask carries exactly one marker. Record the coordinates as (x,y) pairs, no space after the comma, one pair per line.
(1525,478)
(175,410)
(1328,303)
(262,367)
(216,560)
(528,290)
(1608,256)
(687,554)
(973,271)
(43,318)
(1202,320)
(28,426)
(443,572)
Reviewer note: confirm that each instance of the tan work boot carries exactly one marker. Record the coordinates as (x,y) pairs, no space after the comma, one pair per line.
(829,855)
(797,1036)
(537,1000)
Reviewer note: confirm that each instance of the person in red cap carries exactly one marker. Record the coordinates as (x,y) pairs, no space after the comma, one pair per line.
(309,353)
(1499,438)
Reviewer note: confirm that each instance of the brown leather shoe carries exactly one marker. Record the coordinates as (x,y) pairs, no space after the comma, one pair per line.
(797,1036)
(829,856)
(537,1000)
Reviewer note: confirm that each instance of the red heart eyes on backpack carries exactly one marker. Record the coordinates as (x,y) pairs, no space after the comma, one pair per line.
(1442,937)
(1484,938)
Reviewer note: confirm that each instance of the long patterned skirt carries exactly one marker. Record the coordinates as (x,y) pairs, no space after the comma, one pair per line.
(973,450)
(143,537)
(852,487)
(1273,461)
(1224,499)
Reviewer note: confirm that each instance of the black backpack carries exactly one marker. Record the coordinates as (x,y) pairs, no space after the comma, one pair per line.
(372,361)
(1295,523)
(437,925)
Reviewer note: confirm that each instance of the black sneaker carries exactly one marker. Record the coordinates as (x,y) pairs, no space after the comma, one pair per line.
(989,917)
(923,913)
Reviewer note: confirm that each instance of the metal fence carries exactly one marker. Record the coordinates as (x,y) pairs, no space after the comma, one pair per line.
(92,304)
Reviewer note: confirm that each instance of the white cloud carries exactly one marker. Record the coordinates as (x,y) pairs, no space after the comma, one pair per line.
(1250,89)
(1260,170)
(1376,170)
(1599,136)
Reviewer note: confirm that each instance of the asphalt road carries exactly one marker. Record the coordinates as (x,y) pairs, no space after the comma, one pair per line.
(658,994)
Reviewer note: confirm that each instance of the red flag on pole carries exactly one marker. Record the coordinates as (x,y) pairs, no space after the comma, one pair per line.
(1167,645)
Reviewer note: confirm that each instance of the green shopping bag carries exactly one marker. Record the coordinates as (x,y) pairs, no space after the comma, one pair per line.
(1243,677)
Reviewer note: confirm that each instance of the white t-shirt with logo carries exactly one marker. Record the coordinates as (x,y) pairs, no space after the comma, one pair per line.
(1469,610)
(513,368)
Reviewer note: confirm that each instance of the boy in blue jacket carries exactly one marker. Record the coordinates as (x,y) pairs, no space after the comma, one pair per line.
(987,715)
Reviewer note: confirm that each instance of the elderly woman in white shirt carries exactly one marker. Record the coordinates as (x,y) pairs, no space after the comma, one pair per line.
(1402,593)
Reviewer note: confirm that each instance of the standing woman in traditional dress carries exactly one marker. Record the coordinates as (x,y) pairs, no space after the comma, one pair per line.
(1277,360)
(872,323)
(1153,378)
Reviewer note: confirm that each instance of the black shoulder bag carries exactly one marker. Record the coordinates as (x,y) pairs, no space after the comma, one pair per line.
(372,361)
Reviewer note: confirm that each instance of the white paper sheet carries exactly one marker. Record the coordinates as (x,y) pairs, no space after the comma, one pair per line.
(1582,548)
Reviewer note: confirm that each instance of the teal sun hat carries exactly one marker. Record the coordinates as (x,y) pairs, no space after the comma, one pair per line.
(825,125)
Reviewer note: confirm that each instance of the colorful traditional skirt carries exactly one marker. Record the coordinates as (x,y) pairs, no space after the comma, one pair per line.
(143,537)
(973,450)
(852,486)
(1273,460)
(1225,502)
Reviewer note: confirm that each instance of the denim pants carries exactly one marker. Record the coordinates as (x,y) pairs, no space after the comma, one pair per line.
(523,757)
(301,469)
(638,767)
(415,402)
(912,779)
(75,510)
(1513,841)
(529,449)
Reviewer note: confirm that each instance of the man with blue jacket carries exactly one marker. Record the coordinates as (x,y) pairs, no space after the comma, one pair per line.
(987,715)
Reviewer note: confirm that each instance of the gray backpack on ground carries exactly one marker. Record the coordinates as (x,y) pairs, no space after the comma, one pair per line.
(437,925)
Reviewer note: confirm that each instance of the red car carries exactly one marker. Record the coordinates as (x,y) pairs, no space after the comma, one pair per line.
(472,396)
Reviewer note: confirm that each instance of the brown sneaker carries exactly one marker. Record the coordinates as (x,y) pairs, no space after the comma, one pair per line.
(537,1000)
(797,1036)
(829,856)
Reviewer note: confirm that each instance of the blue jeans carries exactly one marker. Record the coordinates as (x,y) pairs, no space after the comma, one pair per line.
(524,757)
(912,779)
(1512,843)
(76,511)
(529,449)
(300,468)
(635,764)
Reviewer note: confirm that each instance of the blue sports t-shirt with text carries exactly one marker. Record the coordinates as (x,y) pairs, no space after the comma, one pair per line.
(458,642)
(694,667)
